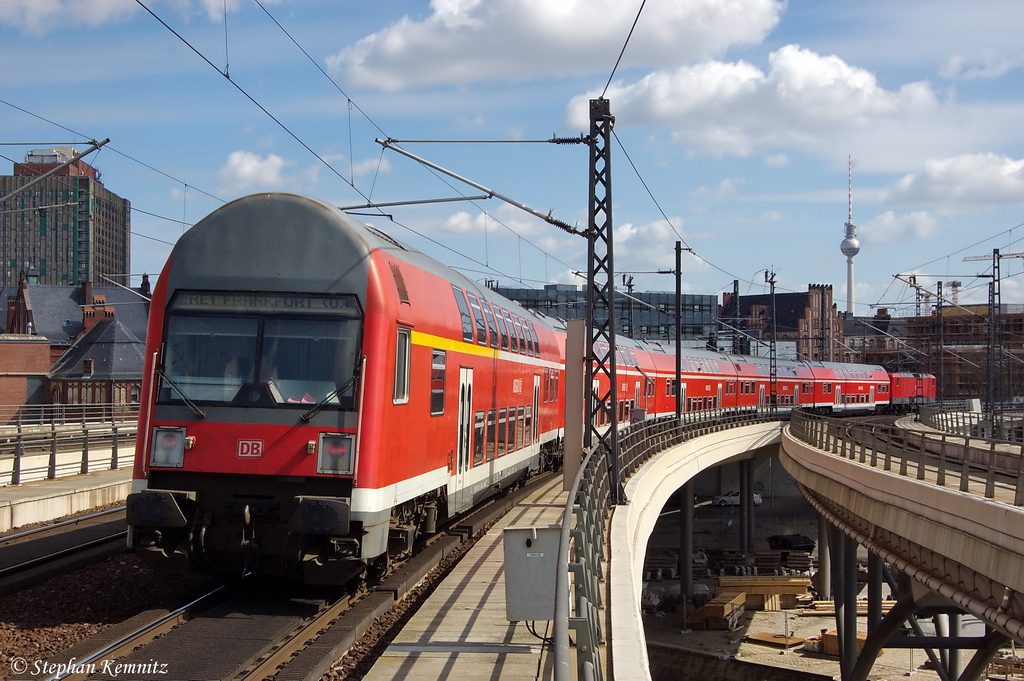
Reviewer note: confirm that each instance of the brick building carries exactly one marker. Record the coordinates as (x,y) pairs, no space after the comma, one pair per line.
(24,365)
(809,321)
(93,338)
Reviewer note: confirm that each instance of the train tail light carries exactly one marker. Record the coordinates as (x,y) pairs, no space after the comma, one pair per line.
(335,454)
(168,449)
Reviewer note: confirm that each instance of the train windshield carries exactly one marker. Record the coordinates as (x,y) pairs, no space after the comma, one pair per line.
(255,351)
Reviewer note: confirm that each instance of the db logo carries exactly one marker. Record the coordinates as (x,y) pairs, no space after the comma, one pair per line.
(250,449)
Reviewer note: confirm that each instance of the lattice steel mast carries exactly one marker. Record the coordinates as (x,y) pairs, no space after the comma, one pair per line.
(602,407)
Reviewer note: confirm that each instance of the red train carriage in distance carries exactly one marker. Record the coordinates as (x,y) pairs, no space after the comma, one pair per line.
(317,394)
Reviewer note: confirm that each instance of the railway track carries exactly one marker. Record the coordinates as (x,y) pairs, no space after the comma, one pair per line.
(40,553)
(257,630)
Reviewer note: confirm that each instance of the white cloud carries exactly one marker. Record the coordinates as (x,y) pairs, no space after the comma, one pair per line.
(371,165)
(651,246)
(890,228)
(467,41)
(36,17)
(245,170)
(969,178)
(991,65)
(780,160)
(726,189)
(806,99)
(500,223)
(773,215)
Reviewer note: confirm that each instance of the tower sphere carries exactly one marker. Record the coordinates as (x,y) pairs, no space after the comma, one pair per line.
(850,246)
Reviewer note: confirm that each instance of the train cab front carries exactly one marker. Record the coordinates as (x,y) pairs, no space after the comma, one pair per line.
(249,455)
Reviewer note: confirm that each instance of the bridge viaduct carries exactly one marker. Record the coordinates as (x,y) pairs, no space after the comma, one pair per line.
(940,515)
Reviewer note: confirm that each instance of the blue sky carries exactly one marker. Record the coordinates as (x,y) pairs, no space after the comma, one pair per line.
(739,116)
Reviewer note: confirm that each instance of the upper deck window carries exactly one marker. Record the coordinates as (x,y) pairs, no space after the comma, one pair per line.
(467,319)
(261,350)
(481,325)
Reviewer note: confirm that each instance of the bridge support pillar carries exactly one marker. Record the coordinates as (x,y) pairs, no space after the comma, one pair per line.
(686,541)
(746,506)
(824,560)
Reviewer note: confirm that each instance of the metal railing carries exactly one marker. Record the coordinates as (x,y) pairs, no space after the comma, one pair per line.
(973,464)
(35,452)
(1005,423)
(582,551)
(60,414)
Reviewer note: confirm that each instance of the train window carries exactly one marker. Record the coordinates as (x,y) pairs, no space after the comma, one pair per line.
(213,359)
(438,362)
(513,338)
(491,435)
(467,320)
(490,323)
(503,434)
(513,443)
(479,442)
(400,394)
(498,313)
(209,358)
(528,424)
(519,332)
(534,342)
(481,325)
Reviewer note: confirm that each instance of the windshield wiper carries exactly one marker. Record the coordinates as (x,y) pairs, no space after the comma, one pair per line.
(181,393)
(315,409)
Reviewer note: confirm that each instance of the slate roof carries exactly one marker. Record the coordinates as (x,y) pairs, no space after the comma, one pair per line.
(57,310)
(116,353)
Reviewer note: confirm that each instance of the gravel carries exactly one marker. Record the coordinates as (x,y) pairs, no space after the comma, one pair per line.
(43,620)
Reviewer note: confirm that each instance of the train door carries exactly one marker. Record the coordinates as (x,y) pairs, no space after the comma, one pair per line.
(682,397)
(839,398)
(760,394)
(871,395)
(465,437)
(718,403)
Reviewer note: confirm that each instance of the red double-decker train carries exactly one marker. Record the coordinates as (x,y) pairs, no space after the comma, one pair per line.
(316,394)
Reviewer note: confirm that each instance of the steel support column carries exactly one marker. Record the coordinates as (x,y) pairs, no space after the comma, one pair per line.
(601,384)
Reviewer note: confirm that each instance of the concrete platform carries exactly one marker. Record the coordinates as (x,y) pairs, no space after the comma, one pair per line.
(45,500)
(461,631)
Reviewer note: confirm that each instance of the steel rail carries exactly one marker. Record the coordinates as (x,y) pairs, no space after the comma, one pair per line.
(56,555)
(138,637)
(63,523)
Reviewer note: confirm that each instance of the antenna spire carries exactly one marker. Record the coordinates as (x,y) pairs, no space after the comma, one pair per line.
(849,170)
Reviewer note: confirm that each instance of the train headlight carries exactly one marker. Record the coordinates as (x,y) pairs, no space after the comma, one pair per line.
(168,449)
(335,454)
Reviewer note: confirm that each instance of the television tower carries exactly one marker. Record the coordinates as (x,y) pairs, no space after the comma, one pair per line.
(850,245)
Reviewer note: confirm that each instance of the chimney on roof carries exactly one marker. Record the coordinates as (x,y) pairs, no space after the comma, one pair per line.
(88,365)
(144,289)
(86,293)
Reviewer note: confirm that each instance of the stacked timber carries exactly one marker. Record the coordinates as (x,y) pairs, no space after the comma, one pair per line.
(799,561)
(767,592)
(724,610)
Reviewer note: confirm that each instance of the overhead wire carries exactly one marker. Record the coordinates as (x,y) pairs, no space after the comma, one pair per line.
(353,104)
